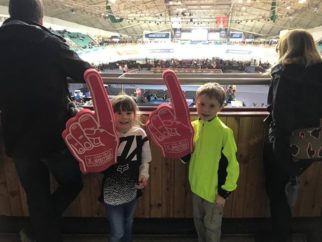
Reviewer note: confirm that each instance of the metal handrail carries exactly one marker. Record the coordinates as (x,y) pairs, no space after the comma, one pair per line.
(188,78)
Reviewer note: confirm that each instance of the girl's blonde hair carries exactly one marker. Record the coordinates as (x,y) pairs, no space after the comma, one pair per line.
(126,103)
(298,47)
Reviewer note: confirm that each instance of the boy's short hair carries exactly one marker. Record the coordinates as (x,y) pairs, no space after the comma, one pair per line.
(212,90)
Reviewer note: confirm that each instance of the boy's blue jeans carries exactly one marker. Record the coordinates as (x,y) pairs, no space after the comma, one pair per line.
(120,218)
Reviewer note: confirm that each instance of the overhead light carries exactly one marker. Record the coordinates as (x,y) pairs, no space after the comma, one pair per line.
(302,1)
(185,13)
(115,38)
(174,2)
(176,22)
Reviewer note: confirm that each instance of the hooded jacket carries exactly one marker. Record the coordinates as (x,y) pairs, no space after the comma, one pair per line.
(34,67)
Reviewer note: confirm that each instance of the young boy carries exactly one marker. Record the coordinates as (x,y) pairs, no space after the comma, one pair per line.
(213,166)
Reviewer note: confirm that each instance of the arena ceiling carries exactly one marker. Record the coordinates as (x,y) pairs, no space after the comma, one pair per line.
(131,17)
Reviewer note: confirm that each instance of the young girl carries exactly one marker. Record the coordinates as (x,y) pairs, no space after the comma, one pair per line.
(123,181)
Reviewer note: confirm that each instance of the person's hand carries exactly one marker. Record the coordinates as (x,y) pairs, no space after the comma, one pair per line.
(142,182)
(91,136)
(169,125)
(220,201)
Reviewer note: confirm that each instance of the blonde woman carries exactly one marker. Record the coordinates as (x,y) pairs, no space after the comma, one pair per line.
(294,99)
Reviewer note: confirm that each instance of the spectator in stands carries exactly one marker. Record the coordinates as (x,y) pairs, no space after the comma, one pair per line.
(230,93)
(294,102)
(193,103)
(125,68)
(120,67)
(139,98)
(34,104)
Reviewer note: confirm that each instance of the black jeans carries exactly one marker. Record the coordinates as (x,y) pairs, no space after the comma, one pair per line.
(46,207)
(277,176)
(276,179)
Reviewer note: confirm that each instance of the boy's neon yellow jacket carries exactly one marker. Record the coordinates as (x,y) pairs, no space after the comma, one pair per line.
(213,167)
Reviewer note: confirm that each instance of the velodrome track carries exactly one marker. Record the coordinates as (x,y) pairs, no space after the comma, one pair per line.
(161,51)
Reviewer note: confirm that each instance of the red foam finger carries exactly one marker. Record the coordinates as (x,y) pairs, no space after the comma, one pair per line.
(75,149)
(88,122)
(91,136)
(78,134)
(166,114)
(157,122)
(101,103)
(177,141)
(75,146)
(156,135)
(178,100)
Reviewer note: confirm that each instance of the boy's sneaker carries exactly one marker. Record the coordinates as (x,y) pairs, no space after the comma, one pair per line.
(24,237)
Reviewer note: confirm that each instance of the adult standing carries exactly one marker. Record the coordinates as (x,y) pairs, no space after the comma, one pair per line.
(35,65)
(294,102)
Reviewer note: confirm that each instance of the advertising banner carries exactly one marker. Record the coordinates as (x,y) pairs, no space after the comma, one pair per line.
(157,36)
(221,22)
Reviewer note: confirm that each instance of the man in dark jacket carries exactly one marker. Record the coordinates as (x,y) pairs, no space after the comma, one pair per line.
(35,65)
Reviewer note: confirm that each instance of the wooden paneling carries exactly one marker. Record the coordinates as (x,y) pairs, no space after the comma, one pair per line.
(168,193)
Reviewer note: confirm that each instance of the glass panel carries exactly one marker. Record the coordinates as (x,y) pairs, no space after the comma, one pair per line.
(153,95)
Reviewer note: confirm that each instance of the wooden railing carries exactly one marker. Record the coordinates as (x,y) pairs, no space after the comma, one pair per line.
(168,194)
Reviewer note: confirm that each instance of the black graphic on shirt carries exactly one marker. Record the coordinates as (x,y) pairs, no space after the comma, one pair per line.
(120,180)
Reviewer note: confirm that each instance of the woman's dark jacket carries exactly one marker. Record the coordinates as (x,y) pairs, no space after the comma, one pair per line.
(295,101)
(34,67)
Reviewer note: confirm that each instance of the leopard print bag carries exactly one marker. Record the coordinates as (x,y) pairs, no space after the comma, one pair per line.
(306,144)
